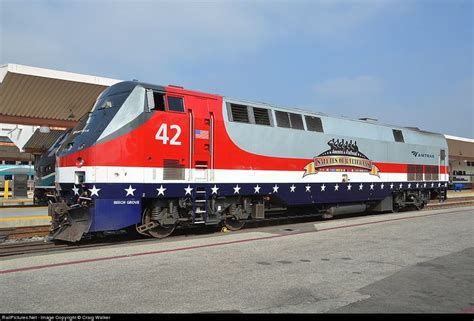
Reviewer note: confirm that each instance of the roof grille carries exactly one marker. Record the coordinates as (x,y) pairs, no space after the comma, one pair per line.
(239,113)
(314,124)
(261,116)
(282,119)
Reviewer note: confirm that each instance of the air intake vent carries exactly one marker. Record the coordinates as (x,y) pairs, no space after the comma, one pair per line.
(173,170)
(239,113)
(282,119)
(261,116)
(314,124)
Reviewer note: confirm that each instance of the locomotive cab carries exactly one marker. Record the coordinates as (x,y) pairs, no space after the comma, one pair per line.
(117,110)
(122,142)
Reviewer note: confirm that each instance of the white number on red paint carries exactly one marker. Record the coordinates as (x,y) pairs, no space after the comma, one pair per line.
(162,134)
(176,136)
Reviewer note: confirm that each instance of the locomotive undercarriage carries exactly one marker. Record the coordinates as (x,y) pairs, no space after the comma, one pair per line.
(161,217)
(416,199)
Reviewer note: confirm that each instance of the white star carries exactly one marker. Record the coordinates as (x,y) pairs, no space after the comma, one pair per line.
(75,190)
(308,188)
(237,189)
(130,190)
(432,184)
(401,185)
(94,191)
(409,185)
(336,188)
(257,189)
(360,187)
(417,185)
(349,187)
(275,188)
(161,190)
(391,186)
(424,185)
(371,186)
(188,190)
(292,188)
(214,189)
(439,184)
(323,188)
(381,186)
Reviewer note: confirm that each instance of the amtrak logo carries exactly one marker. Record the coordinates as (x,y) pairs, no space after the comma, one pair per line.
(425,155)
(343,156)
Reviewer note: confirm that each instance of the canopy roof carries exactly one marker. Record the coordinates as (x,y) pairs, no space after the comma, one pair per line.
(460,148)
(40,142)
(38,96)
(8,151)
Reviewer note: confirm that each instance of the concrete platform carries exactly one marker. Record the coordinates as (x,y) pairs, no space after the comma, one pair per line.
(420,263)
(463,193)
(15,201)
(24,216)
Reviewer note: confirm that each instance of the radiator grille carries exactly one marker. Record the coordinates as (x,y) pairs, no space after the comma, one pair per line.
(173,170)
(261,116)
(239,113)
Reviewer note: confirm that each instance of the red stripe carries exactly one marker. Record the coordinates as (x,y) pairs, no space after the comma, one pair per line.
(469,309)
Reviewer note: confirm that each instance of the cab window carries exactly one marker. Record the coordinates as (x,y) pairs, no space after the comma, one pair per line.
(159,99)
(175,104)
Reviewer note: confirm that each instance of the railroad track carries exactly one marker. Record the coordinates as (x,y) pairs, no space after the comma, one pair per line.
(23,232)
(33,247)
(28,247)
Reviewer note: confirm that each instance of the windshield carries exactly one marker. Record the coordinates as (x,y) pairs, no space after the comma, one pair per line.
(113,110)
(110,101)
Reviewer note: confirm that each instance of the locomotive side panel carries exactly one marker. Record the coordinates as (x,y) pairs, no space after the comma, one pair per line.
(299,147)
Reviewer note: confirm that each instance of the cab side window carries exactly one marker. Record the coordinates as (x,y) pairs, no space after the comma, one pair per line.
(155,100)
(159,101)
(175,104)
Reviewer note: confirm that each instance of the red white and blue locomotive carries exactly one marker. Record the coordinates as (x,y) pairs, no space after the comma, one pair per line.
(153,158)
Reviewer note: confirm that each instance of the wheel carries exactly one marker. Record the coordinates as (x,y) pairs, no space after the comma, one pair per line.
(420,206)
(160,231)
(395,208)
(233,223)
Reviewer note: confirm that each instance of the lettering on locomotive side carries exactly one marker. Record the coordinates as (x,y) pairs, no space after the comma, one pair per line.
(129,202)
(424,155)
(80,131)
(343,156)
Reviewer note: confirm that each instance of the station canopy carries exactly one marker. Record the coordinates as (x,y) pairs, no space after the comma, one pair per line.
(40,142)
(9,151)
(460,148)
(45,97)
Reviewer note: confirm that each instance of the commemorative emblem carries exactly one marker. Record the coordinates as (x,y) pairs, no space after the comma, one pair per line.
(342,156)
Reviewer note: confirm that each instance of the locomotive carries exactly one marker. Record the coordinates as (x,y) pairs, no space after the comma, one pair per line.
(153,158)
(45,172)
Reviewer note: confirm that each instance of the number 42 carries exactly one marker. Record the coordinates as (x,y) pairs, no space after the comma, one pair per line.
(162,134)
